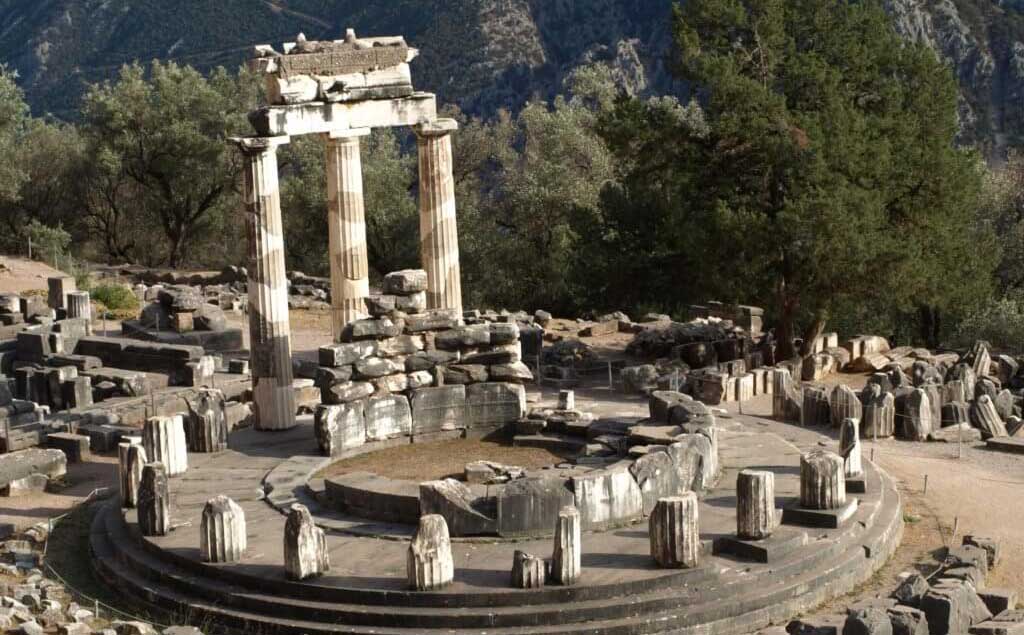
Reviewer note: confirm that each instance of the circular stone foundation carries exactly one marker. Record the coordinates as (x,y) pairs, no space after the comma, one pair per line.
(620,592)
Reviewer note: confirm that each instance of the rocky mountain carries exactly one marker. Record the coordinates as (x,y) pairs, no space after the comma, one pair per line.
(480,54)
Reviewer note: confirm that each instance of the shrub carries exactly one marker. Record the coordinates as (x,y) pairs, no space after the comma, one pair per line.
(117,301)
(1000,322)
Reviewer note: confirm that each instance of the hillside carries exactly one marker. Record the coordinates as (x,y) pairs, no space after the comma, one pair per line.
(481,54)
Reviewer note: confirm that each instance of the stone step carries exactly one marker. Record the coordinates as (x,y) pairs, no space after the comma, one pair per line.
(722,606)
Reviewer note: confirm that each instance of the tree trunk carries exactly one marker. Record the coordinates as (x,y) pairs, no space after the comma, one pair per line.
(930,325)
(813,332)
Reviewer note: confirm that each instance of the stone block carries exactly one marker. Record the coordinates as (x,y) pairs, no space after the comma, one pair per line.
(387,417)
(222,534)
(457,504)
(527,507)
(165,442)
(336,355)
(528,572)
(305,546)
(494,404)
(566,561)
(340,427)
(348,392)
(656,475)
(406,282)
(607,498)
(154,512)
(674,532)
(430,564)
(22,464)
(74,446)
(438,409)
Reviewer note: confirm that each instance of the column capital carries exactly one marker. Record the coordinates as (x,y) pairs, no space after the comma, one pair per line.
(347,134)
(257,145)
(436,128)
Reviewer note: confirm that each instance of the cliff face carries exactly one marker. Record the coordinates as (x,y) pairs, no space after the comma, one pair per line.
(481,54)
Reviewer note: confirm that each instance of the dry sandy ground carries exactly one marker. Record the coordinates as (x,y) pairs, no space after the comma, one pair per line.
(18,275)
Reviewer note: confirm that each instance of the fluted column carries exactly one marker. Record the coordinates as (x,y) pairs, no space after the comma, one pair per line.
(346,221)
(755,504)
(269,332)
(439,234)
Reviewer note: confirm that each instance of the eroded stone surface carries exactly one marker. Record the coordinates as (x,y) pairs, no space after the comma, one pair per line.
(430,562)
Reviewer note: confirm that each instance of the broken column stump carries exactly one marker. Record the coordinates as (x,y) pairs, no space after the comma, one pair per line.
(131,459)
(850,450)
(985,416)
(79,305)
(528,572)
(674,529)
(566,400)
(755,504)
(154,512)
(207,425)
(918,424)
(164,440)
(222,535)
(844,404)
(567,558)
(305,547)
(879,412)
(430,565)
(823,500)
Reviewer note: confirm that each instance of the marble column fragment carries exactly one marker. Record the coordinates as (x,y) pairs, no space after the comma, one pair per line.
(566,400)
(674,531)
(222,536)
(305,546)
(879,412)
(566,562)
(917,425)
(131,459)
(822,481)
(816,409)
(850,448)
(755,504)
(439,235)
(79,305)
(346,221)
(527,571)
(844,404)
(782,383)
(154,512)
(269,332)
(165,443)
(207,426)
(985,417)
(430,564)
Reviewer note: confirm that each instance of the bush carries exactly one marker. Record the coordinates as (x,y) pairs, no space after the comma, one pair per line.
(1000,322)
(48,242)
(117,301)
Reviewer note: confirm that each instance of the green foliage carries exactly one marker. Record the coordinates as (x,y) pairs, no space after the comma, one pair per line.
(1000,321)
(828,175)
(50,243)
(159,154)
(13,117)
(116,297)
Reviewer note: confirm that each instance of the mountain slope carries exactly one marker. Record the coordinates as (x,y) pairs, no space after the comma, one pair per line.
(480,54)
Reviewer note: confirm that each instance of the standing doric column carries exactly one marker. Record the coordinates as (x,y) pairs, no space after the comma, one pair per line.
(439,233)
(269,332)
(346,221)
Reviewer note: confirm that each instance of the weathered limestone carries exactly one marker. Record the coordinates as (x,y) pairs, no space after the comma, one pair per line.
(79,305)
(340,428)
(816,410)
(844,404)
(755,504)
(439,237)
(674,530)
(566,562)
(346,220)
(850,448)
(269,331)
(430,564)
(987,419)
(305,547)
(222,535)
(154,511)
(566,400)
(879,412)
(528,572)
(131,459)
(822,481)
(785,396)
(917,425)
(59,287)
(165,443)
(207,426)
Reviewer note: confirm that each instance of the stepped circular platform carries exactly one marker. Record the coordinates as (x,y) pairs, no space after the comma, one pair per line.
(621,591)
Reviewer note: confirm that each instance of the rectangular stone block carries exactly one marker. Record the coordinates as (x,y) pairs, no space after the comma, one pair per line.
(438,409)
(337,355)
(607,498)
(493,404)
(74,446)
(528,507)
(388,417)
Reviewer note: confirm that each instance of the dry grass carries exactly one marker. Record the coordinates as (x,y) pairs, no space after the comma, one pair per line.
(443,459)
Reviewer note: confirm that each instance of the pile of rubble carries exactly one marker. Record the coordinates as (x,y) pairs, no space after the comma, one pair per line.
(408,371)
(186,315)
(955,600)
(32,604)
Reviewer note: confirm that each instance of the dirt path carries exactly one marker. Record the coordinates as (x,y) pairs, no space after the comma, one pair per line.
(18,275)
